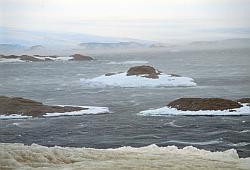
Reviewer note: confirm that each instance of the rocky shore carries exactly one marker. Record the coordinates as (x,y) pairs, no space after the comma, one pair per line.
(43,58)
(196,104)
(26,107)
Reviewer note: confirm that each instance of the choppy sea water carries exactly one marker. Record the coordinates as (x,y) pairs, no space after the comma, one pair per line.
(218,73)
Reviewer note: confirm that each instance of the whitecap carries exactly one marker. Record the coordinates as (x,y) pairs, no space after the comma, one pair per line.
(240,144)
(129,62)
(212,142)
(122,80)
(164,111)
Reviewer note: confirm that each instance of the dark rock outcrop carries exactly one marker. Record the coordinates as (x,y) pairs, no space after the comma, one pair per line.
(22,57)
(79,57)
(144,71)
(18,105)
(195,104)
(244,100)
(9,56)
(29,58)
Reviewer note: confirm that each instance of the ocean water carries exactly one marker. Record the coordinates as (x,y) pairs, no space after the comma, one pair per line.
(221,73)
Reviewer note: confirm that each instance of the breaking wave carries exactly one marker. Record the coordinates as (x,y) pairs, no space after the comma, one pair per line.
(19,156)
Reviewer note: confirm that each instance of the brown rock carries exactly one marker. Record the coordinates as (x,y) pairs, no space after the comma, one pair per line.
(195,104)
(22,57)
(244,100)
(144,71)
(111,74)
(9,56)
(17,105)
(79,57)
(29,58)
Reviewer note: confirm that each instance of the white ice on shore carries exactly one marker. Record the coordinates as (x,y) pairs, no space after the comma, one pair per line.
(87,110)
(10,60)
(152,157)
(129,62)
(14,116)
(55,58)
(164,111)
(122,80)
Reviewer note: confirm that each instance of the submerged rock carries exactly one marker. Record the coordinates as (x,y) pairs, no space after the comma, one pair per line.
(144,71)
(26,107)
(79,57)
(196,104)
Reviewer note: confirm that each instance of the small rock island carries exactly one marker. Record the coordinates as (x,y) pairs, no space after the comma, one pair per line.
(26,107)
(44,58)
(196,104)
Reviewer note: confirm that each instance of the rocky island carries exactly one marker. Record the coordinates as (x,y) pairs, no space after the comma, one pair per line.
(23,108)
(202,107)
(79,57)
(140,76)
(196,104)
(43,58)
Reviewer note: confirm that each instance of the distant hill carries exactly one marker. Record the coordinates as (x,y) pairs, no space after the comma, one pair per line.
(59,39)
(97,45)
(11,47)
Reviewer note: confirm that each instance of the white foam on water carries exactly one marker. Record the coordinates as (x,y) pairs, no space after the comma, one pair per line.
(54,58)
(122,80)
(14,116)
(87,110)
(164,111)
(19,156)
(240,144)
(129,62)
(10,60)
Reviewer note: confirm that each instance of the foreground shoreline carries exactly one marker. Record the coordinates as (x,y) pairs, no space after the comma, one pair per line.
(20,156)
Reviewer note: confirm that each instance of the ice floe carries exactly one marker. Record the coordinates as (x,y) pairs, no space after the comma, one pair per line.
(122,80)
(20,156)
(165,111)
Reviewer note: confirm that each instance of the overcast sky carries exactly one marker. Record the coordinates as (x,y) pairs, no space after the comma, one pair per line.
(144,19)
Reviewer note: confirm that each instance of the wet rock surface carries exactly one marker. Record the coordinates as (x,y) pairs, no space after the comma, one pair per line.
(80,57)
(18,105)
(22,57)
(196,104)
(144,71)
(244,100)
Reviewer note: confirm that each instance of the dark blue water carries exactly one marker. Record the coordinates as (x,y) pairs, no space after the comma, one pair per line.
(218,73)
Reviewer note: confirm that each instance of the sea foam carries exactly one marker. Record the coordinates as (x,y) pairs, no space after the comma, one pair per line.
(165,111)
(122,80)
(19,156)
(87,110)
